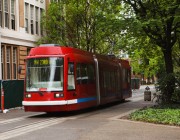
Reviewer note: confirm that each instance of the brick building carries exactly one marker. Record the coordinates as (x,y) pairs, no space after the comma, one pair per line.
(19,30)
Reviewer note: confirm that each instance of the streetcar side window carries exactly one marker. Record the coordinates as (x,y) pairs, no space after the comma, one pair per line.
(84,76)
(126,77)
(91,74)
(78,72)
(71,82)
(85,73)
(123,75)
(129,76)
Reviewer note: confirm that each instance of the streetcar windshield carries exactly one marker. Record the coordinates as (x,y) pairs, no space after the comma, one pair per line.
(44,74)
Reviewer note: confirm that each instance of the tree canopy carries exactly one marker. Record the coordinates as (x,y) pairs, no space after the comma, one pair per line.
(90,25)
(160,21)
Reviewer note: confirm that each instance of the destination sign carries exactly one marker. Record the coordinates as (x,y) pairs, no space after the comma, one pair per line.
(41,62)
(45,62)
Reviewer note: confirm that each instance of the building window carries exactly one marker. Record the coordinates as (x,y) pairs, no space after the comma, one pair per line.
(26,17)
(9,62)
(32,19)
(14,63)
(13,14)
(37,20)
(41,13)
(6,12)
(1,13)
(2,61)
(33,16)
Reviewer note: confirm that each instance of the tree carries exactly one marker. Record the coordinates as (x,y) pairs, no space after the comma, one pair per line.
(144,58)
(160,21)
(90,25)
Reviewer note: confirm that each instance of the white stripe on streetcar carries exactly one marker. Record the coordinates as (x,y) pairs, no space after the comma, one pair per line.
(44,103)
(39,103)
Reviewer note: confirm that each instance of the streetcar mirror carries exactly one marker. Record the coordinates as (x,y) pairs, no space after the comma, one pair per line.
(19,69)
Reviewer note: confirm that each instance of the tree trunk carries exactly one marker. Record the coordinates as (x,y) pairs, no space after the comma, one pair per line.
(168,60)
(170,81)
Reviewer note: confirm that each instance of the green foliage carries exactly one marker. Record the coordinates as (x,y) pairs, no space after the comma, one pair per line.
(176,57)
(159,20)
(163,86)
(166,114)
(53,24)
(176,94)
(90,25)
(145,59)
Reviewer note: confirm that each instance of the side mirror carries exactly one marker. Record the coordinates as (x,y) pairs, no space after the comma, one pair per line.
(19,69)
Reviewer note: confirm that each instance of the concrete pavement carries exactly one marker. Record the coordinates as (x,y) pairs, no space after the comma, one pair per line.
(119,128)
(129,130)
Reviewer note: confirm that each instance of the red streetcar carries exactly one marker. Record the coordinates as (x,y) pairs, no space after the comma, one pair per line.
(63,79)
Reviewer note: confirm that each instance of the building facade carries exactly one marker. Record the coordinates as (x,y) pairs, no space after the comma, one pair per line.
(19,31)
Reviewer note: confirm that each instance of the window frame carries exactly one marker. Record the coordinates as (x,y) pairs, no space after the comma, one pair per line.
(26,17)
(1,13)
(37,20)
(32,19)
(13,15)
(9,62)
(14,63)
(6,14)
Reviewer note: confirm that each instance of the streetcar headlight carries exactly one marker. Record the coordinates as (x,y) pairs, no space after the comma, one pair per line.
(58,95)
(28,95)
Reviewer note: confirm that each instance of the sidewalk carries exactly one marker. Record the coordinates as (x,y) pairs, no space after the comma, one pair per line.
(119,128)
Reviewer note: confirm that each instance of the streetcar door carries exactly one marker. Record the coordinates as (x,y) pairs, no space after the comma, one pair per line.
(85,82)
(81,80)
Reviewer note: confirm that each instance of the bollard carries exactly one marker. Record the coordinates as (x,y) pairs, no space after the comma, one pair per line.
(2,98)
(147,94)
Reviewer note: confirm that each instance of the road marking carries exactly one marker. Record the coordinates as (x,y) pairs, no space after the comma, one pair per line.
(17,119)
(31,127)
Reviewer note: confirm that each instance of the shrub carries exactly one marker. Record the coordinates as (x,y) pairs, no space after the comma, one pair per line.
(163,114)
(176,94)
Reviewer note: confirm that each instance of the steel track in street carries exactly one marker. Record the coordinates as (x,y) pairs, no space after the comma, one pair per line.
(23,129)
